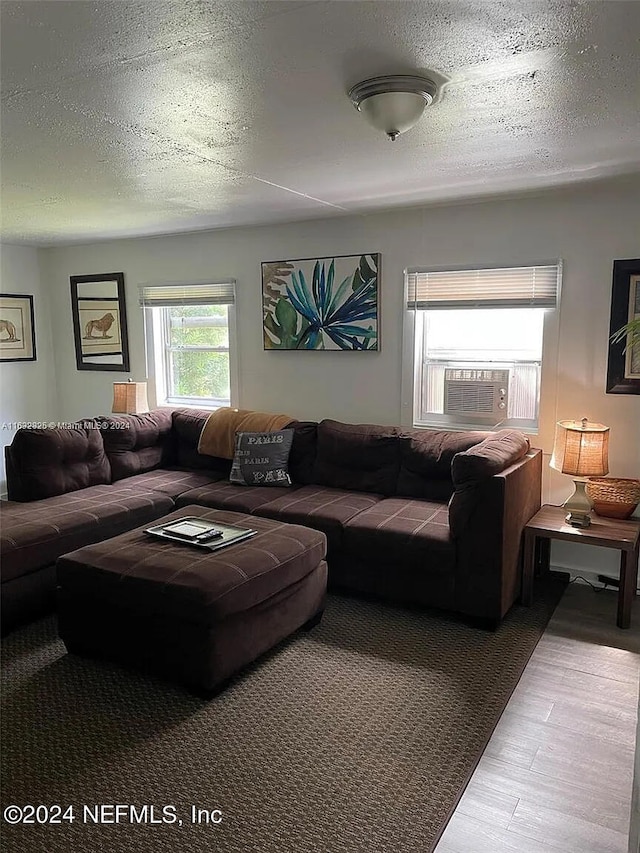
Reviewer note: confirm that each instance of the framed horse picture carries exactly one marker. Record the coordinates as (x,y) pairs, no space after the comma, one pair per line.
(17,328)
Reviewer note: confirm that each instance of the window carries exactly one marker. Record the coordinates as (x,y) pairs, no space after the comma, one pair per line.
(477,342)
(190,343)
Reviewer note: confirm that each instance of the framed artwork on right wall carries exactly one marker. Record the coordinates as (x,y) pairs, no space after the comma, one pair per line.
(623,367)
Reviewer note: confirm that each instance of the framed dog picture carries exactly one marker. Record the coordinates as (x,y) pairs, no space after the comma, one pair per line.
(100,322)
(17,328)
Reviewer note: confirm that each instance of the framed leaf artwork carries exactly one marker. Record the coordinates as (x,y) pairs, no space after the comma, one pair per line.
(321,303)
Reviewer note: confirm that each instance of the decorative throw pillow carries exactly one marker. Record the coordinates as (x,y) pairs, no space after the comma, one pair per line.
(261,458)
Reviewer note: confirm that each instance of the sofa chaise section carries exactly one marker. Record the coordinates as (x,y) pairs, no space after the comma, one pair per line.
(34,534)
(74,486)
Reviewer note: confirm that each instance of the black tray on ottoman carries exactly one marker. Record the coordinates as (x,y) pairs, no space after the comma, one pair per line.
(192,615)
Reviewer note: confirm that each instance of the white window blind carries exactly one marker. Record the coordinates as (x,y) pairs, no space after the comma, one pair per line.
(174,295)
(502,287)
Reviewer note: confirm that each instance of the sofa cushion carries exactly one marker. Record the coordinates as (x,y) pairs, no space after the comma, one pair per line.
(225,495)
(490,457)
(34,535)
(322,508)
(172,481)
(360,457)
(43,463)
(425,467)
(138,443)
(416,529)
(303,451)
(187,426)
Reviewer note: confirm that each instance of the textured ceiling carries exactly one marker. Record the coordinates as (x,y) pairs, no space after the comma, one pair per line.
(130,118)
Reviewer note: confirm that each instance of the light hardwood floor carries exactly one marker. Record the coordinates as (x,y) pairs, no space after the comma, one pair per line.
(557,773)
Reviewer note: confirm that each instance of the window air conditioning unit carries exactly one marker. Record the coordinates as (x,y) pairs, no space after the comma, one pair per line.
(476,394)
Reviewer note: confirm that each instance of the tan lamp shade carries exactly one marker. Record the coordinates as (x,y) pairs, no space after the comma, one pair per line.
(130,397)
(581,448)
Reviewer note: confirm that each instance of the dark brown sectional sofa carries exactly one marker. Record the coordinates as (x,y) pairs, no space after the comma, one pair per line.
(423,517)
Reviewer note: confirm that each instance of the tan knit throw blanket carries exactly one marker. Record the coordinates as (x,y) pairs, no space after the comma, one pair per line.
(218,436)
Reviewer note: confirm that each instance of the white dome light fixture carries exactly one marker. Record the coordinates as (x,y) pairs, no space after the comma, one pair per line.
(393,104)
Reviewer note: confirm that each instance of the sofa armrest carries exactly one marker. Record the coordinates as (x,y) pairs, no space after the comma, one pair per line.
(487,517)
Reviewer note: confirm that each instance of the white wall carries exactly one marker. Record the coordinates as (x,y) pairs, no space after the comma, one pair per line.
(587,227)
(28,389)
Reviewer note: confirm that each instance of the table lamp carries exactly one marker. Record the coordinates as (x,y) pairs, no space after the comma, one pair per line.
(130,397)
(581,449)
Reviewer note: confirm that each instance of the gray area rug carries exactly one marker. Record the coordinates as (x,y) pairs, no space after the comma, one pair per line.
(358,737)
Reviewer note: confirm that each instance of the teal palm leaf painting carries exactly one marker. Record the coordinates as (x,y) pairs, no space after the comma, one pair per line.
(321,304)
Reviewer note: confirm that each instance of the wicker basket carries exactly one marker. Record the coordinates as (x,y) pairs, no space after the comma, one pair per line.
(614,497)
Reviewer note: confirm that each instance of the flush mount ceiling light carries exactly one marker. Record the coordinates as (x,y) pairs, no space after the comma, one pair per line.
(393,104)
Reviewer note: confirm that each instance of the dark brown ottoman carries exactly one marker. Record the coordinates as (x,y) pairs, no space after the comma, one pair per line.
(188,614)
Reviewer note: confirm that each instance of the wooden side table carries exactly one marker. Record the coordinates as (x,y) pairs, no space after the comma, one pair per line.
(549,523)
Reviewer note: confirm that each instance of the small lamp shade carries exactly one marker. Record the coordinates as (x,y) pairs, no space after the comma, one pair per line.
(130,397)
(580,449)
